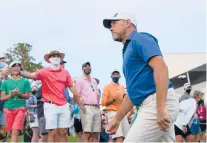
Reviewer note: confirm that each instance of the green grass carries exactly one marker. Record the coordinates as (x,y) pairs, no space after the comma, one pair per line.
(70,139)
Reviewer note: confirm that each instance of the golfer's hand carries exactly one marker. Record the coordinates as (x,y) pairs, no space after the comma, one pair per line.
(163,119)
(112,127)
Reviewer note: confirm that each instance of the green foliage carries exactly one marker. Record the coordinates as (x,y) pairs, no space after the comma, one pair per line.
(21,52)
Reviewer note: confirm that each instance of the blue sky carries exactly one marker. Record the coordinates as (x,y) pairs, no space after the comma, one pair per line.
(75,28)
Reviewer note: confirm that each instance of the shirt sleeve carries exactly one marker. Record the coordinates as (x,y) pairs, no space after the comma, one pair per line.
(27,87)
(105,96)
(97,92)
(146,47)
(40,74)
(69,81)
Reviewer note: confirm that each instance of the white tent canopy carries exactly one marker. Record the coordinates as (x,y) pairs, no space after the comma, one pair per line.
(180,63)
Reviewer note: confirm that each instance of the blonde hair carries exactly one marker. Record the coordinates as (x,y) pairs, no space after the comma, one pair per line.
(197,93)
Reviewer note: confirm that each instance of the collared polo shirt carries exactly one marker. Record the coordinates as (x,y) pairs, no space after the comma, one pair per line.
(54,83)
(87,90)
(110,91)
(138,50)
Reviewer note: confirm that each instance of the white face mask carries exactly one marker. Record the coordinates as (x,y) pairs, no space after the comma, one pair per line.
(54,63)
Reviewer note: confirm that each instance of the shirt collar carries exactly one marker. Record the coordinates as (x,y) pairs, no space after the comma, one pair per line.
(60,69)
(185,93)
(114,83)
(85,78)
(131,35)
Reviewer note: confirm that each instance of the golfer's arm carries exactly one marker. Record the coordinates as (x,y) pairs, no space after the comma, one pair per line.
(28,74)
(126,106)
(161,80)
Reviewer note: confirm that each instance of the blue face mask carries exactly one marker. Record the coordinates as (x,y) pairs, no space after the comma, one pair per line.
(115,79)
(2,65)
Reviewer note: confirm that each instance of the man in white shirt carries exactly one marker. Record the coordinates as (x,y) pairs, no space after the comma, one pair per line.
(186,113)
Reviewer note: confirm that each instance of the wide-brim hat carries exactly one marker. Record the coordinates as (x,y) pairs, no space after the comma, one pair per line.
(47,56)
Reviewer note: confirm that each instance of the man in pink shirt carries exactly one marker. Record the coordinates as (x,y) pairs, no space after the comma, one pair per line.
(54,81)
(88,92)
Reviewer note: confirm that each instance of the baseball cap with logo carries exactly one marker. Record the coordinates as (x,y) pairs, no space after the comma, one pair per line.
(187,86)
(119,16)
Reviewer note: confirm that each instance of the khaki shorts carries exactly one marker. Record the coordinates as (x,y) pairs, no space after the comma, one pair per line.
(145,128)
(123,127)
(91,120)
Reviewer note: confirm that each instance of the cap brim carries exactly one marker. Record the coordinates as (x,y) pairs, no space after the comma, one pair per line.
(63,62)
(87,63)
(115,72)
(13,63)
(107,23)
(46,57)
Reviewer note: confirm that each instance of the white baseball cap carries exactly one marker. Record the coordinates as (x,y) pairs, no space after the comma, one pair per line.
(187,86)
(119,16)
(13,63)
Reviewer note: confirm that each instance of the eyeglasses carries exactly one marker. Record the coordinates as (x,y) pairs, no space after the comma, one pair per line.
(92,87)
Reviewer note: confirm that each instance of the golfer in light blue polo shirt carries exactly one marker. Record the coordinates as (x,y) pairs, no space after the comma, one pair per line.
(147,83)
